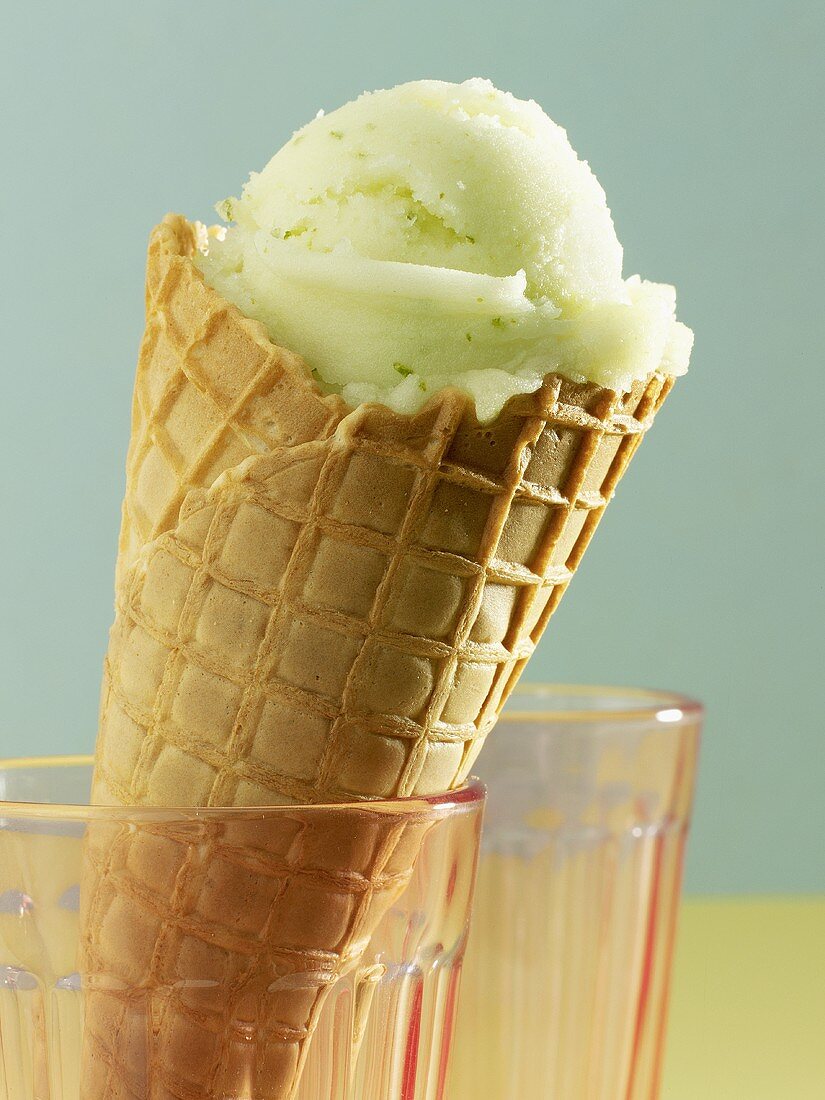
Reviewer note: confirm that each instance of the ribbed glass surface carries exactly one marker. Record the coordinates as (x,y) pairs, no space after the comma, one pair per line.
(564,991)
(385,1027)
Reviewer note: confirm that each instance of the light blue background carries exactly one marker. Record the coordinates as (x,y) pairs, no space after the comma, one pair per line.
(703,121)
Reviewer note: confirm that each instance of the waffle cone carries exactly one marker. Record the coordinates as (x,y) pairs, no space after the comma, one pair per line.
(318,604)
(210,944)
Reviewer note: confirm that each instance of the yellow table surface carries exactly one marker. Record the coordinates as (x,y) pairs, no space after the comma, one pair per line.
(747,1017)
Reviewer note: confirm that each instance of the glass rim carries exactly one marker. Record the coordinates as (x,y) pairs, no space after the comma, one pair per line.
(471,794)
(663,707)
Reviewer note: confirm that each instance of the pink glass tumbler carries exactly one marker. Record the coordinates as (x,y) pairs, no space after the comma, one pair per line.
(565,983)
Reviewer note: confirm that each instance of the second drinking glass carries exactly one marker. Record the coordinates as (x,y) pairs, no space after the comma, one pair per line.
(564,991)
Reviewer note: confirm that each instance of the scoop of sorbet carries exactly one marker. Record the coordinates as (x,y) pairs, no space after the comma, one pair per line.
(437,235)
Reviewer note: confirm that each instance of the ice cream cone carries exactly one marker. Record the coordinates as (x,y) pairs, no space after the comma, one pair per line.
(330,604)
(314,604)
(209,945)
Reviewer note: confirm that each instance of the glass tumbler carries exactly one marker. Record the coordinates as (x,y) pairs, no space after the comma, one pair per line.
(565,984)
(316,956)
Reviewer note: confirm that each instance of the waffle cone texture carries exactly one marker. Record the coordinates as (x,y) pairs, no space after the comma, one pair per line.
(315,604)
(210,944)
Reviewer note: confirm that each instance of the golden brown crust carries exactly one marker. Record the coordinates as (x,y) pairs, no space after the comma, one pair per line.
(314,604)
(317,603)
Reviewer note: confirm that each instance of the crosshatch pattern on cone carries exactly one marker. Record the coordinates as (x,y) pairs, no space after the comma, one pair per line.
(314,605)
(209,946)
(332,605)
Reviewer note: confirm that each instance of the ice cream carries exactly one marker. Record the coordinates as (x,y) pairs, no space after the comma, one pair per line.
(436,235)
(323,599)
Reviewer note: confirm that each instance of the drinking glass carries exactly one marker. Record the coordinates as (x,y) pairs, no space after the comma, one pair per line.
(565,983)
(385,1015)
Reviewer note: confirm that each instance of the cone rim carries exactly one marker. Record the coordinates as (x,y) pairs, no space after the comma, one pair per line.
(187,232)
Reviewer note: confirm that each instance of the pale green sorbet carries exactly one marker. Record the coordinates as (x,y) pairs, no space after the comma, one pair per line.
(439,235)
